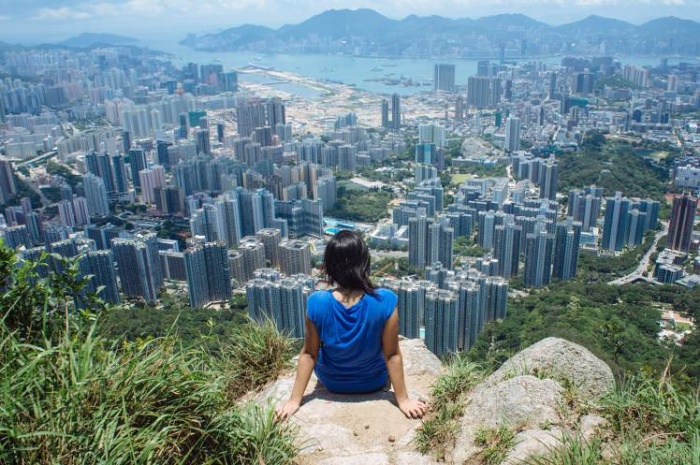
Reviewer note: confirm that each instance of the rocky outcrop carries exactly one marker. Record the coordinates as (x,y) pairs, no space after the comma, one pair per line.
(367,429)
(563,361)
(536,394)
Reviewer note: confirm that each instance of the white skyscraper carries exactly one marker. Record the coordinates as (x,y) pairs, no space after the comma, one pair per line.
(150,179)
(512,142)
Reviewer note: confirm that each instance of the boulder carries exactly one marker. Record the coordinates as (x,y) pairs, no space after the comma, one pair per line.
(527,395)
(522,403)
(559,359)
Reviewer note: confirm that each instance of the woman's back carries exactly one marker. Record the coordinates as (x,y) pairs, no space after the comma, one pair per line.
(351,357)
(354,347)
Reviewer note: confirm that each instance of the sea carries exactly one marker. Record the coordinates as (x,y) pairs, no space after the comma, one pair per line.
(404,76)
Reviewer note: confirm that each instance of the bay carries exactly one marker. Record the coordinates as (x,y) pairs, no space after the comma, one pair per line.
(371,74)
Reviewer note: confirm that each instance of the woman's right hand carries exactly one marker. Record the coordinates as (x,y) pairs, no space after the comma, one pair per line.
(413,408)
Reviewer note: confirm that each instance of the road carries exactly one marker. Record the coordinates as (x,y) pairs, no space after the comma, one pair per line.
(644,263)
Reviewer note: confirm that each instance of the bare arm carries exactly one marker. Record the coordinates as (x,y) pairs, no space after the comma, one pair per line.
(305,366)
(412,408)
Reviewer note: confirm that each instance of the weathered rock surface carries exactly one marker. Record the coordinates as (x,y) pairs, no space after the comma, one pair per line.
(365,429)
(534,407)
(526,395)
(560,359)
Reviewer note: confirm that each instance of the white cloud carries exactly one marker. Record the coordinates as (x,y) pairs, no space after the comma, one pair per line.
(61,14)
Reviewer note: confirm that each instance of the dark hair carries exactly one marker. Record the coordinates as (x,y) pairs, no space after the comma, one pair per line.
(347,262)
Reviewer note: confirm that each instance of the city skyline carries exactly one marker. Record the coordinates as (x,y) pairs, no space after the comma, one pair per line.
(45,21)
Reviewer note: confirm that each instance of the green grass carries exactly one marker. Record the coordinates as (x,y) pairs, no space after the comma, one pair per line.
(82,401)
(496,442)
(650,423)
(438,433)
(459,178)
(71,396)
(574,450)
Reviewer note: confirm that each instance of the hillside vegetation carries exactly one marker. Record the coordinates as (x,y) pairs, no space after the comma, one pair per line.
(71,396)
(612,165)
(619,324)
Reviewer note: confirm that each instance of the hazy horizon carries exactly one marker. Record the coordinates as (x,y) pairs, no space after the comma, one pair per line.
(37,21)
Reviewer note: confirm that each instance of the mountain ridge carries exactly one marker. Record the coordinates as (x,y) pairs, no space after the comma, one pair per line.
(90,39)
(367,32)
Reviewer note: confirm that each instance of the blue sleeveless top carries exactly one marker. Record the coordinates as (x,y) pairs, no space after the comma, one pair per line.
(350,359)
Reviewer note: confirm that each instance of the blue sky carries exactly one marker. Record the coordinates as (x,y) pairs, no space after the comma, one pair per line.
(33,21)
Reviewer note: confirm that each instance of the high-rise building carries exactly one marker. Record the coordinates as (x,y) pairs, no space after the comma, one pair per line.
(615,231)
(99,265)
(326,192)
(411,308)
(552,85)
(271,239)
(135,270)
(538,258)
(417,241)
(295,257)
(16,236)
(252,212)
(507,248)
(249,257)
(208,274)
(346,157)
(137,161)
(66,213)
(549,175)
(429,241)
(173,265)
(169,200)
(202,141)
(636,222)
(585,205)
(441,321)
(681,222)
(432,133)
(396,111)
(96,195)
(81,210)
(459,108)
(483,92)
(385,114)
(229,220)
(119,175)
(512,141)
(302,217)
(283,300)
(8,189)
(149,180)
(568,237)
(444,78)
(35,226)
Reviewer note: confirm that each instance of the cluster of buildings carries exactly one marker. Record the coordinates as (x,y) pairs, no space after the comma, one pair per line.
(239,200)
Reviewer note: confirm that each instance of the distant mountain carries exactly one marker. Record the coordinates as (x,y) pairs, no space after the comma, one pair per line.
(596,25)
(366,32)
(88,40)
(506,22)
(672,26)
(235,38)
(5,47)
(338,24)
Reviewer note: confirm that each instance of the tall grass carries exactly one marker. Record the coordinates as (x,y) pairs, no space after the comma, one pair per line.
(438,433)
(651,423)
(69,396)
(82,401)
